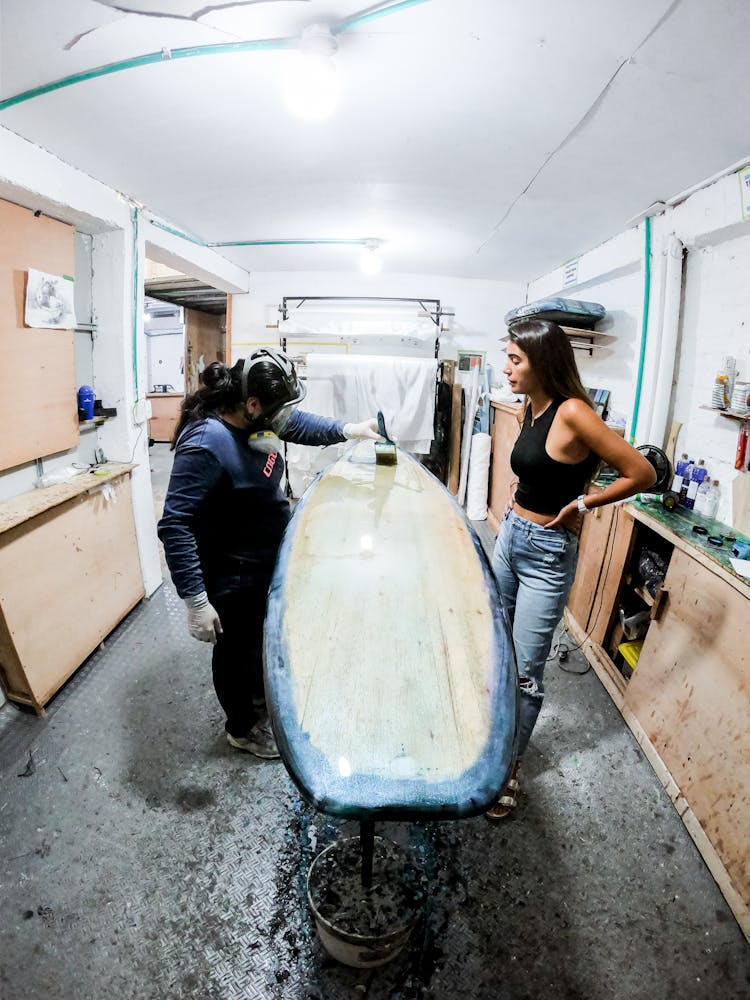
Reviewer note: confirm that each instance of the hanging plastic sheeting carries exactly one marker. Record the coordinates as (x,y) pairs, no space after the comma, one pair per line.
(355,387)
(479,477)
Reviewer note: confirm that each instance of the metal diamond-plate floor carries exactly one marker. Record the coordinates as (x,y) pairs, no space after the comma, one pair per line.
(144,858)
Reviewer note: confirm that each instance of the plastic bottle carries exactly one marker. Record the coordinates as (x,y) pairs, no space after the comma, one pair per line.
(703,497)
(686,479)
(712,503)
(699,473)
(679,472)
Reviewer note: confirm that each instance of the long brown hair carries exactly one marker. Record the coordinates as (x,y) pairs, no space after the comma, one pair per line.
(551,358)
(220,390)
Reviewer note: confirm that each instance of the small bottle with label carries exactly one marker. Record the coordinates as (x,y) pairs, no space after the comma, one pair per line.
(686,480)
(679,472)
(699,473)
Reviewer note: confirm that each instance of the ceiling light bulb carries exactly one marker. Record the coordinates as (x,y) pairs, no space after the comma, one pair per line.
(311,84)
(371,262)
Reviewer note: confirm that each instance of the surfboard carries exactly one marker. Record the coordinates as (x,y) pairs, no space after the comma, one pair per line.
(389,668)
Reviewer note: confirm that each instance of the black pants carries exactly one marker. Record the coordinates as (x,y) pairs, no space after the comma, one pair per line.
(238,656)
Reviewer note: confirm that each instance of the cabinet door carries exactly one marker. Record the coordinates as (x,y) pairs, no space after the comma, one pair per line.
(67,577)
(691,695)
(504,433)
(592,547)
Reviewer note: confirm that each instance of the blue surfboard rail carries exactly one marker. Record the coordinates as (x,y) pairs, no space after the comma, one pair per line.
(325,777)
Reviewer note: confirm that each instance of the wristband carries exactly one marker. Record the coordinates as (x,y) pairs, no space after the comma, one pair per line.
(582,508)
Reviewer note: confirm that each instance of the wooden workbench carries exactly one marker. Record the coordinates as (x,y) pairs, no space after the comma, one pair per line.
(69,572)
(688,699)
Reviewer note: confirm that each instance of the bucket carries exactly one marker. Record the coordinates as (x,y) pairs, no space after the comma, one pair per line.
(360,927)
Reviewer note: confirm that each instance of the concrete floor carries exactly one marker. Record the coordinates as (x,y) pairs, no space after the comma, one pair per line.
(144,858)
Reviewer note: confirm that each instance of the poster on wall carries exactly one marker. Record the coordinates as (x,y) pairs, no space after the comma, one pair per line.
(49,301)
(469,360)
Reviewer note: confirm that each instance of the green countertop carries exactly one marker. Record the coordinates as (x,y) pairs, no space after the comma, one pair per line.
(681,522)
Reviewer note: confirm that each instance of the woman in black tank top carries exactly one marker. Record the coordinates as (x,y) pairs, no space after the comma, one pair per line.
(561,443)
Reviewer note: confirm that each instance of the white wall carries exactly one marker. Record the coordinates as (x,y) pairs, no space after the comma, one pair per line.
(479,306)
(110,263)
(715,318)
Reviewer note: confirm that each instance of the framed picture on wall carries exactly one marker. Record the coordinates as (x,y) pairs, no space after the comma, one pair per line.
(469,360)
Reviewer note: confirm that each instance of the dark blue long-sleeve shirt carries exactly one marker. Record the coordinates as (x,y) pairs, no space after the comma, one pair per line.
(225,513)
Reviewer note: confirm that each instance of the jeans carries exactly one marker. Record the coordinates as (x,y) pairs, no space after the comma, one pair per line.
(534,568)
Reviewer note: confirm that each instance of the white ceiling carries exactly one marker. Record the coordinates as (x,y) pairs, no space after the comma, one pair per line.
(476,138)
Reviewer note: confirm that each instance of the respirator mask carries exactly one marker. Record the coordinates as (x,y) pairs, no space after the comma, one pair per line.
(273,421)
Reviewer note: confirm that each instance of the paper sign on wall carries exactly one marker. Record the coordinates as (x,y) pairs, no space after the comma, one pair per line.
(744,176)
(570,273)
(49,301)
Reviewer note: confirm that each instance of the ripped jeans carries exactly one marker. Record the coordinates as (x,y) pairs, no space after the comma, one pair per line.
(534,568)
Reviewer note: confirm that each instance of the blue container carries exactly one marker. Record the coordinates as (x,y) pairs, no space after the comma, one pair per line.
(86,401)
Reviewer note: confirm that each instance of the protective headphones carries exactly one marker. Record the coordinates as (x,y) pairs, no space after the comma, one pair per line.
(283,369)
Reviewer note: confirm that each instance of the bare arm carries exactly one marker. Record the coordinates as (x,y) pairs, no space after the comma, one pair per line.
(636,472)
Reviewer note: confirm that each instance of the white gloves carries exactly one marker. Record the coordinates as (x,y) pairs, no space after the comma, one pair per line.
(203,622)
(365,429)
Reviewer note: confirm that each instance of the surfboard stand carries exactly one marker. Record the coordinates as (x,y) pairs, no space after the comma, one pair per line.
(365,925)
(367,843)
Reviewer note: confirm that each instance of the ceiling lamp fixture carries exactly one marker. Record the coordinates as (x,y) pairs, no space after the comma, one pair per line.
(371,262)
(311,85)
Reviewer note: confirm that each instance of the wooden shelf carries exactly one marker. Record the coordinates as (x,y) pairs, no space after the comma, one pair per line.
(644,595)
(729,414)
(583,340)
(87,425)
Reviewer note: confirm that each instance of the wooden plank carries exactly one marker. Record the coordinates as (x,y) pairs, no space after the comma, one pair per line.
(454,451)
(41,406)
(741,503)
(389,668)
(55,617)
(690,694)
(622,539)
(27,505)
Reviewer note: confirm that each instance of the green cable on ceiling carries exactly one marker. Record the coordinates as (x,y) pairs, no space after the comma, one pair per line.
(136,290)
(189,52)
(362,18)
(165,55)
(258,243)
(644,327)
(289,243)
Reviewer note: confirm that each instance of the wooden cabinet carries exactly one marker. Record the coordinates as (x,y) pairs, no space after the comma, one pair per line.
(505,428)
(688,699)
(165,413)
(69,572)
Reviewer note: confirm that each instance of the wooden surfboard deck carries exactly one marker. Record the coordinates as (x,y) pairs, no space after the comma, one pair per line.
(389,667)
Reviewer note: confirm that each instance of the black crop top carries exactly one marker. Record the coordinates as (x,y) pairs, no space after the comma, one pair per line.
(545,486)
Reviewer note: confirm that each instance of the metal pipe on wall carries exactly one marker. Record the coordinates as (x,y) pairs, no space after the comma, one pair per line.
(670,329)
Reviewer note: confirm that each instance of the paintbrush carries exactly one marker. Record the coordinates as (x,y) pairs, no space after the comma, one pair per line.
(385,451)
